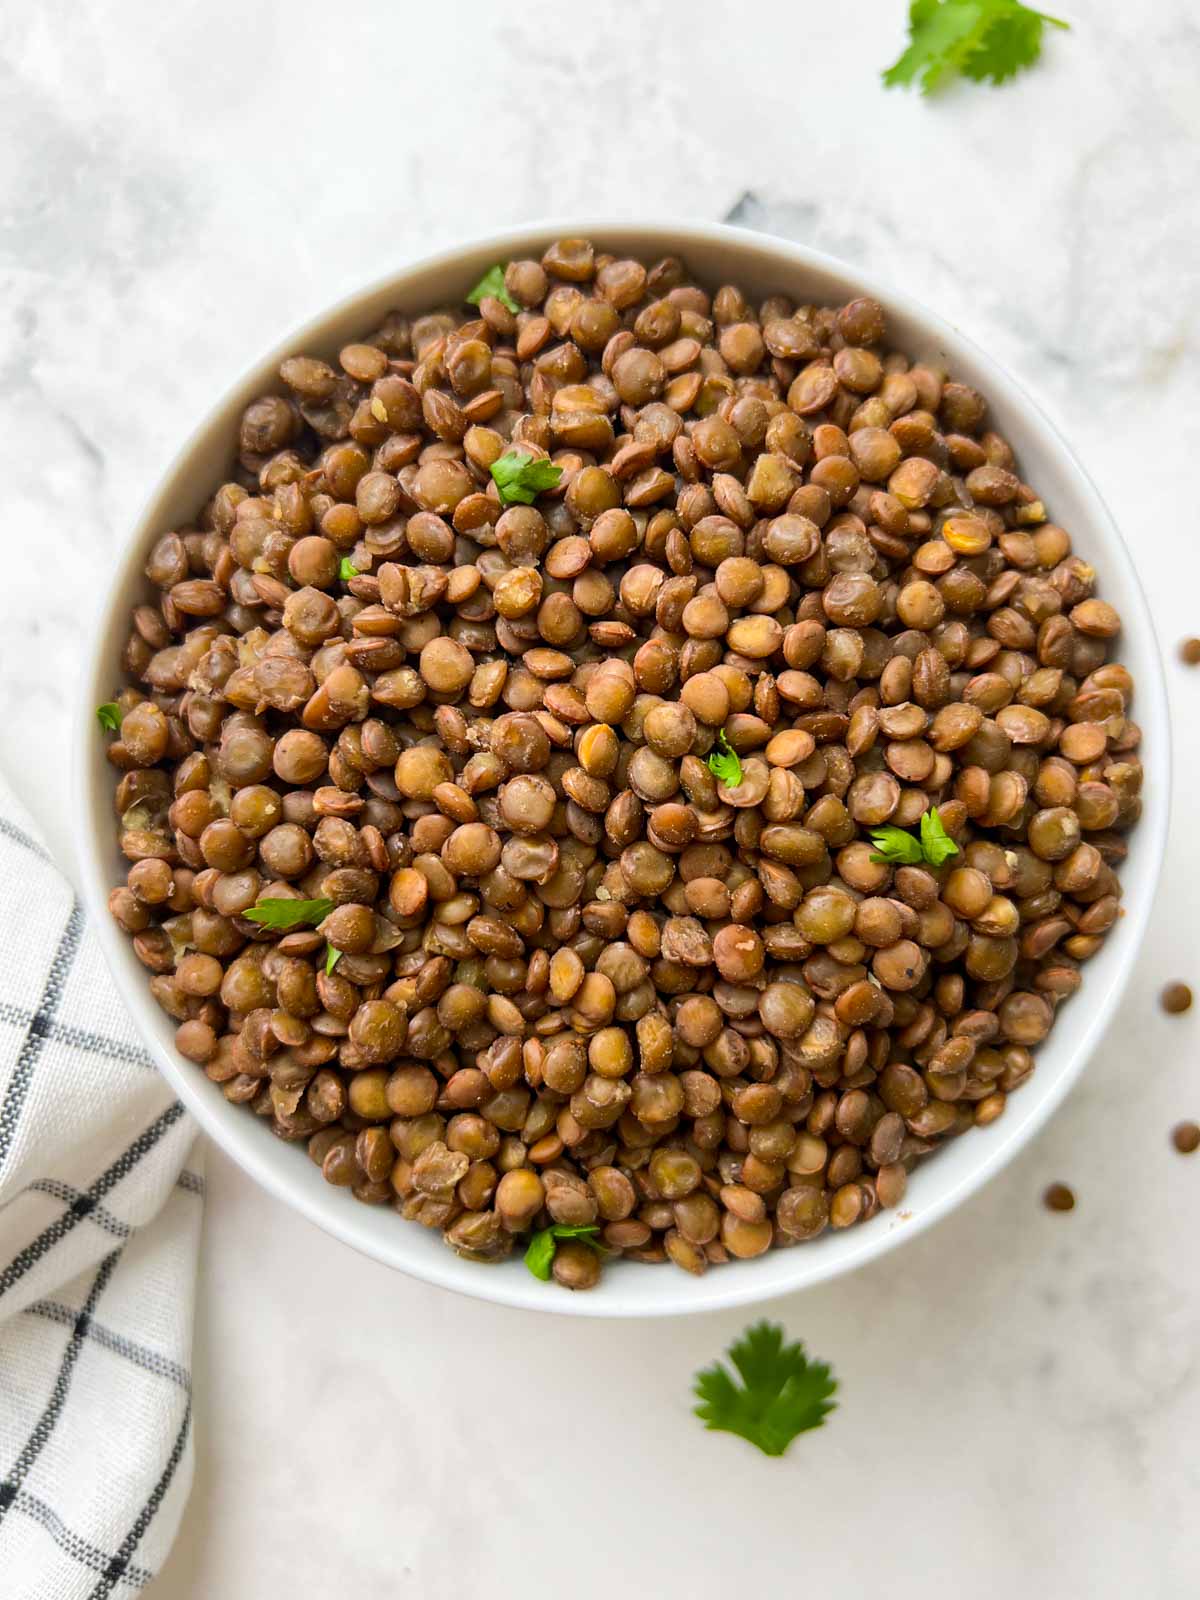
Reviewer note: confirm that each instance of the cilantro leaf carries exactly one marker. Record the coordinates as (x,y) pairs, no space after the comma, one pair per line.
(520,478)
(895,846)
(939,33)
(284,914)
(936,844)
(347,569)
(898,847)
(1011,43)
(332,957)
(539,1257)
(982,39)
(492,285)
(724,762)
(109,716)
(782,1394)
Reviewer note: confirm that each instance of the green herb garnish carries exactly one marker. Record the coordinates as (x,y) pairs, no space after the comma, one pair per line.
(332,957)
(985,40)
(895,846)
(520,478)
(898,847)
(936,843)
(783,1393)
(347,570)
(539,1257)
(284,914)
(109,716)
(492,284)
(724,762)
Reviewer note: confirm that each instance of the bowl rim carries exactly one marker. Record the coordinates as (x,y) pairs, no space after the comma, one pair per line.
(259,1156)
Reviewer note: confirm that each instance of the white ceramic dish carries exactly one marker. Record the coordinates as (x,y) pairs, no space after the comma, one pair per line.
(762,265)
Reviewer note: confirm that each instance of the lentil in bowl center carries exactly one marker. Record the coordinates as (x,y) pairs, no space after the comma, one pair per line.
(566,974)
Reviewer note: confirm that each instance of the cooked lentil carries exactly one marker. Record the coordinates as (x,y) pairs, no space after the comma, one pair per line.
(583,978)
(1176,998)
(1058,1197)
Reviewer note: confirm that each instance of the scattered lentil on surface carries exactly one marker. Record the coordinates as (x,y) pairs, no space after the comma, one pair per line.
(1176,998)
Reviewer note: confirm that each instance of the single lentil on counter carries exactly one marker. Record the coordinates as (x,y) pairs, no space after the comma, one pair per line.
(588,784)
(1059,1198)
(1175,999)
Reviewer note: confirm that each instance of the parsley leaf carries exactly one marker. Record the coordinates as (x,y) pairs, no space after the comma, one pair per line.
(936,843)
(347,570)
(900,848)
(332,957)
(783,1393)
(492,284)
(724,762)
(895,846)
(109,716)
(284,914)
(539,1257)
(982,39)
(520,478)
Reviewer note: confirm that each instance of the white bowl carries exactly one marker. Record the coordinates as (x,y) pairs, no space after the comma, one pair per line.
(762,265)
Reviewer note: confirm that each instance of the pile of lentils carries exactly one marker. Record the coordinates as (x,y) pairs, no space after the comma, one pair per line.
(571,977)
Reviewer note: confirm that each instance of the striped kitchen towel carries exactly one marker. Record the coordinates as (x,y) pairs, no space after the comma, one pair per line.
(100,1204)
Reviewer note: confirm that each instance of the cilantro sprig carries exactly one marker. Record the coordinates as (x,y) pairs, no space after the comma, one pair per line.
(280,915)
(521,477)
(724,762)
(539,1257)
(936,844)
(898,847)
(985,40)
(332,957)
(491,285)
(782,1392)
(347,569)
(895,846)
(109,716)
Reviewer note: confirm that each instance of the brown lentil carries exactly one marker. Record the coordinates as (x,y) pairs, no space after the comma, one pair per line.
(1058,1197)
(1176,998)
(1185,1136)
(580,979)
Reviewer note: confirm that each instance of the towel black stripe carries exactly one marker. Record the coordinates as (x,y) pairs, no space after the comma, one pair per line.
(98,1044)
(70,1196)
(87,1554)
(141,1356)
(35,1038)
(78,1038)
(118,1567)
(19,836)
(121,1168)
(40,1025)
(44,1426)
(192,1182)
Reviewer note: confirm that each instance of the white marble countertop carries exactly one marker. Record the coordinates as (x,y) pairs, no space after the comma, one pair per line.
(1020,1391)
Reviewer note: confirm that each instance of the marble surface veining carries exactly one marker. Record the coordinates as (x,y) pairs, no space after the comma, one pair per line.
(1020,1391)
